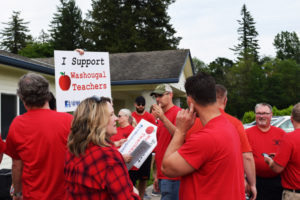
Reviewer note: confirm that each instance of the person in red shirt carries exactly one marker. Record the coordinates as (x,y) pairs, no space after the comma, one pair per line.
(125,121)
(143,173)
(287,159)
(36,142)
(248,160)
(209,161)
(94,168)
(265,138)
(165,111)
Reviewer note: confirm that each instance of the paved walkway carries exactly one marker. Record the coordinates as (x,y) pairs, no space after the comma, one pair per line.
(149,191)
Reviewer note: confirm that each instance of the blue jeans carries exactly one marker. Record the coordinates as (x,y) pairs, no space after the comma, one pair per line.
(169,189)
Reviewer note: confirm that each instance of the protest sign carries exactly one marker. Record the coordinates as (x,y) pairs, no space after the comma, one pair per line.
(140,143)
(80,76)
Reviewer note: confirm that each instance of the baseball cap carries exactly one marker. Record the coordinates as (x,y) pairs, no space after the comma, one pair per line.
(140,100)
(161,89)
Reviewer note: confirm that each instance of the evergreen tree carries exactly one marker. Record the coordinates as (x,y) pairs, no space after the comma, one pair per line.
(14,36)
(130,25)
(287,46)
(66,26)
(248,47)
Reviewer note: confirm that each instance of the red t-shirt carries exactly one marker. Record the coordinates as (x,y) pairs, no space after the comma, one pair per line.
(146,116)
(241,131)
(39,139)
(163,140)
(288,156)
(122,133)
(264,142)
(215,154)
(236,123)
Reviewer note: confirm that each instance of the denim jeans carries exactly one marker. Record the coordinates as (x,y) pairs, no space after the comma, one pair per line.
(169,189)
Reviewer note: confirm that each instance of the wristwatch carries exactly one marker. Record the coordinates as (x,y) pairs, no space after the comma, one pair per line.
(17,194)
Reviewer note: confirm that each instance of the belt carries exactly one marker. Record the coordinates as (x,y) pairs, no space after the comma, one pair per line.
(291,190)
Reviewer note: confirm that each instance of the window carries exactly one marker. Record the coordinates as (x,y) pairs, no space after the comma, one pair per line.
(8,112)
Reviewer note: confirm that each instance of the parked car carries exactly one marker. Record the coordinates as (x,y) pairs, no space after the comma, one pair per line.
(283,122)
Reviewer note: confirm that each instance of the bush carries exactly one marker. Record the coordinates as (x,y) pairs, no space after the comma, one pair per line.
(248,117)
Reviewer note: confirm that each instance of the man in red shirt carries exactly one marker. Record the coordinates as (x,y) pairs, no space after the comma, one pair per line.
(248,160)
(166,112)
(209,161)
(265,138)
(143,173)
(36,142)
(287,159)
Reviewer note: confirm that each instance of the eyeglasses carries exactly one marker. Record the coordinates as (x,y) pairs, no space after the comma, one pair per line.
(120,116)
(159,95)
(140,104)
(262,113)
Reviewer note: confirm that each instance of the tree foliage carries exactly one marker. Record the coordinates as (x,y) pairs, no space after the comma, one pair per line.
(248,47)
(66,26)
(126,26)
(15,34)
(287,46)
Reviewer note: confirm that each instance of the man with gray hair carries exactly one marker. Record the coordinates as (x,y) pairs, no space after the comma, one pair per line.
(36,142)
(265,138)
(287,159)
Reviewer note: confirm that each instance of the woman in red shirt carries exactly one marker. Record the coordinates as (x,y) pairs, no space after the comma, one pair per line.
(94,168)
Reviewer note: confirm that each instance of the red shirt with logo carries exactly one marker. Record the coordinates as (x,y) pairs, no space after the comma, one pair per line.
(163,140)
(288,156)
(146,116)
(122,133)
(39,139)
(215,154)
(264,142)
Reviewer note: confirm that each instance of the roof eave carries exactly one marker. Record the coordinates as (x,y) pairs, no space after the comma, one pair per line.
(25,65)
(147,81)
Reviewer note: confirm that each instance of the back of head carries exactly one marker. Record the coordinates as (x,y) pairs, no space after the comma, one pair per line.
(221,91)
(33,90)
(89,125)
(296,113)
(201,88)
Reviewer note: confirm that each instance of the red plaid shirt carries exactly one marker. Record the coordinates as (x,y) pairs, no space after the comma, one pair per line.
(98,174)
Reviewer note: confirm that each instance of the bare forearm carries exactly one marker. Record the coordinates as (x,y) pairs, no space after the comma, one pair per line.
(169,125)
(249,168)
(17,168)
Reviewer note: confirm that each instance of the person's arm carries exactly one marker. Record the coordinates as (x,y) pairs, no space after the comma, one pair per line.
(273,165)
(173,164)
(17,168)
(159,113)
(249,168)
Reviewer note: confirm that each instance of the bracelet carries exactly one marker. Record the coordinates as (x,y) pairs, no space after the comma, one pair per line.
(17,194)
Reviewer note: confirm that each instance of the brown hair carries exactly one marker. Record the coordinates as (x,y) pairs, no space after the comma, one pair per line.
(33,90)
(89,125)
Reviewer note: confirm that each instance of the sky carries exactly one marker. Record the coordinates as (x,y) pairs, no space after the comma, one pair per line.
(207,27)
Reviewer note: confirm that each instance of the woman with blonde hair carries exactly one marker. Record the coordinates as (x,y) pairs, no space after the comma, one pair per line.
(94,168)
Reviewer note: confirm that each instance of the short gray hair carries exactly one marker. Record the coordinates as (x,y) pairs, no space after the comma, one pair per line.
(296,112)
(263,104)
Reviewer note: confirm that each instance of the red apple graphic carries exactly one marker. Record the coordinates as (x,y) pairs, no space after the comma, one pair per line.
(149,129)
(64,81)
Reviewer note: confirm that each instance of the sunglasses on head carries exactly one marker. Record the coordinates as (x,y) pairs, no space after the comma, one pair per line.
(100,99)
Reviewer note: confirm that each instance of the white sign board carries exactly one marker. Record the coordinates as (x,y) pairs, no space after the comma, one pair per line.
(80,76)
(140,143)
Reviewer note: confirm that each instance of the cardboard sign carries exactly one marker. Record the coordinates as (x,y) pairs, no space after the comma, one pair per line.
(140,143)
(80,76)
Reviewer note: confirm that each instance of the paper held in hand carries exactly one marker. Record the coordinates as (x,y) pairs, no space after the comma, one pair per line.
(140,143)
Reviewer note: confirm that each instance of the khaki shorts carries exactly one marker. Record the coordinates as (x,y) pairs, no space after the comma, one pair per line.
(289,195)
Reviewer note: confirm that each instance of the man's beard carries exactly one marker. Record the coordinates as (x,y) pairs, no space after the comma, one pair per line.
(140,111)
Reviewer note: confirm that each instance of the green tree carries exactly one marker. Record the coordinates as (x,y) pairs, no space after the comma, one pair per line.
(14,36)
(66,26)
(248,47)
(287,46)
(199,65)
(126,26)
(219,69)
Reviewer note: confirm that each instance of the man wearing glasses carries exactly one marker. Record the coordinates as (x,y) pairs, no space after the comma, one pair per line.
(265,138)
(166,112)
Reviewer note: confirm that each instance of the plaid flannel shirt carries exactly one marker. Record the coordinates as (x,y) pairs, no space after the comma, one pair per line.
(98,174)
